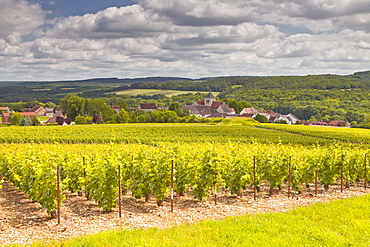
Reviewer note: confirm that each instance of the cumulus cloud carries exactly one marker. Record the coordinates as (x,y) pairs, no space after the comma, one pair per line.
(321,15)
(130,21)
(19,17)
(202,13)
(324,9)
(187,38)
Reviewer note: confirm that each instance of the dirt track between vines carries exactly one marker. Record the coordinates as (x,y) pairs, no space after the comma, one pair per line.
(23,222)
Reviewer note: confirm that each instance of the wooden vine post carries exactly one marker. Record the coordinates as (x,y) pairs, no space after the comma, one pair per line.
(119,192)
(254,179)
(289,174)
(172,183)
(215,186)
(365,172)
(316,180)
(58,194)
(84,166)
(341,175)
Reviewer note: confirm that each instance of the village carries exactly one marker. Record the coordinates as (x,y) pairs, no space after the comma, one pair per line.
(207,108)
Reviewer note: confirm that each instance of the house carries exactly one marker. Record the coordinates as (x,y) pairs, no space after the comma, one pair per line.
(250,111)
(291,119)
(338,123)
(58,110)
(38,110)
(327,123)
(248,115)
(209,107)
(148,107)
(272,117)
(54,118)
(117,109)
(49,111)
(6,115)
(198,110)
(4,109)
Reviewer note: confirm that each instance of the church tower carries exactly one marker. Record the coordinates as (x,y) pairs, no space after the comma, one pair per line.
(209,99)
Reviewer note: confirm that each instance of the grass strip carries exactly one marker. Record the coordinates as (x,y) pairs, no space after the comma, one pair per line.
(338,223)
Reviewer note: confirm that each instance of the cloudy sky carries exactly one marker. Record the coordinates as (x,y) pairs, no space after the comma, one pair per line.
(78,39)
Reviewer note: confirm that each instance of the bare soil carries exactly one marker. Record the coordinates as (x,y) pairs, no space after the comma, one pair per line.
(23,222)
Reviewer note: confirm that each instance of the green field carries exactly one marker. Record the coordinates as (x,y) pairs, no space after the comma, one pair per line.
(150,92)
(338,223)
(42,118)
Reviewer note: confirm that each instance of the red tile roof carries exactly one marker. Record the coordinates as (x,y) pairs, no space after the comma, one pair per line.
(217,104)
(148,106)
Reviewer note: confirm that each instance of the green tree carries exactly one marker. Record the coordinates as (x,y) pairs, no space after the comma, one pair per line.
(123,116)
(35,121)
(241,105)
(17,106)
(99,107)
(83,120)
(261,118)
(123,105)
(31,103)
(353,116)
(25,121)
(133,117)
(144,117)
(15,118)
(73,106)
(50,104)
(164,116)
(174,106)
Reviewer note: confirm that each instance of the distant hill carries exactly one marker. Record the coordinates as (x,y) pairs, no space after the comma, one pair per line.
(320,82)
(55,90)
(362,75)
(227,86)
(127,80)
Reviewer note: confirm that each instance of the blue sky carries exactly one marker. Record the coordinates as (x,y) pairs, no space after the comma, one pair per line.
(78,7)
(77,39)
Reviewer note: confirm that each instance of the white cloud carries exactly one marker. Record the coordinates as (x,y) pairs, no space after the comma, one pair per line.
(321,15)
(19,17)
(186,38)
(130,21)
(202,13)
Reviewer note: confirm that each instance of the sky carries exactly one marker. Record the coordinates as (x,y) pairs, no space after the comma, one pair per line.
(80,39)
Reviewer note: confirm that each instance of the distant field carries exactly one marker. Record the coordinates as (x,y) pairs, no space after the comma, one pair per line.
(150,92)
(42,118)
(329,133)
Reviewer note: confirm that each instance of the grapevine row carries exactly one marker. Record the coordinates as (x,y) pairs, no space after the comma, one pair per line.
(146,170)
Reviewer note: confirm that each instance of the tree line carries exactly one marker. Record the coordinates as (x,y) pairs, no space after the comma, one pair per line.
(84,111)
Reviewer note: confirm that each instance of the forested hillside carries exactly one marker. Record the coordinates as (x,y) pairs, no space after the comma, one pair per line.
(54,91)
(315,97)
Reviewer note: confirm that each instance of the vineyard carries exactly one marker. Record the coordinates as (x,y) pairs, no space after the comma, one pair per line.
(340,134)
(151,134)
(203,169)
(120,166)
